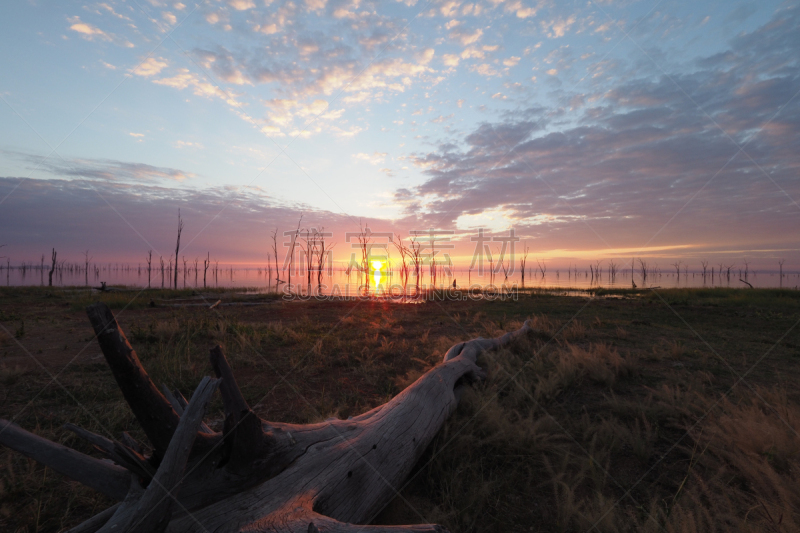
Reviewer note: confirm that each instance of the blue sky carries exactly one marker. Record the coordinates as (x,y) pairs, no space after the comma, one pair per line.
(595,128)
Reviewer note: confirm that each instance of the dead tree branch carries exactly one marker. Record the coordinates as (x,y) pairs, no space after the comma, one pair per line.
(255,475)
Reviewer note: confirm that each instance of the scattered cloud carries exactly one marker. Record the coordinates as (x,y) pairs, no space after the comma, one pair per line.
(557,27)
(376,158)
(87,31)
(91,33)
(636,155)
(464,36)
(140,213)
(189,144)
(450,60)
(241,5)
(150,66)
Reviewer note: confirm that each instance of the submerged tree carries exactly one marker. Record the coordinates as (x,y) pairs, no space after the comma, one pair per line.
(149,266)
(52,269)
(178,247)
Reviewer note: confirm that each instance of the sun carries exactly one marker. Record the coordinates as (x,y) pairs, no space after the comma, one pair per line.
(376,265)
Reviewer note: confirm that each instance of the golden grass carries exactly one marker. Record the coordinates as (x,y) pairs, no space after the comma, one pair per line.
(535,446)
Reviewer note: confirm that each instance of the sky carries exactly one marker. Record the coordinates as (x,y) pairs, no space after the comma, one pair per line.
(596,130)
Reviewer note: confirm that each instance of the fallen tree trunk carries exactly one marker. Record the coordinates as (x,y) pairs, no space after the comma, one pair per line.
(255,475)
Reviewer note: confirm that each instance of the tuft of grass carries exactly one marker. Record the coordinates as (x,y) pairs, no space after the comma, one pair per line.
(567,436)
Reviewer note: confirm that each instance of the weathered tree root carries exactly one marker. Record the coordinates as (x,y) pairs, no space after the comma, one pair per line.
(254,476)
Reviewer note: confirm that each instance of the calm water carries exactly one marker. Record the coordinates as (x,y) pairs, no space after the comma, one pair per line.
(339,282)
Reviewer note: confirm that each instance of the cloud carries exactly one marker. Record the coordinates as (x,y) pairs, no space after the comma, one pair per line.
(186,79)
(92,33)
(150,66)
(137,135)
(189,144)
(88,31)
(464,36)
(635,155)
(519,9)
(283,111)
(109,170)
(450,60)
(241,5)
(316,5)
(472,53)
(120,221)
(485,69)
(376,158)
(557,27)
(111,10)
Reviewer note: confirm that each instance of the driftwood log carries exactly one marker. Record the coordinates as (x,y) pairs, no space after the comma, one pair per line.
(255,475)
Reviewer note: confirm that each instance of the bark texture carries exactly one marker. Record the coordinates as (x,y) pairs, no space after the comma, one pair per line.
(255,475)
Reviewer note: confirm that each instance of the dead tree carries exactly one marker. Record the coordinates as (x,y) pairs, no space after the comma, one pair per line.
(405,254)
(323,254)
(178,247)
(295,234)
(503,264)
(86,266)
(310,250)
(597,270)
(149,266)
(677,266)
(206,264)
(364,238)
(643,268)
(52,269)
(275,253)
(523,260)
(254,475)
(415,249)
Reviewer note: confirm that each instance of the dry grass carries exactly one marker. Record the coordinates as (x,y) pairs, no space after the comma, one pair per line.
(563,437)
(615,420)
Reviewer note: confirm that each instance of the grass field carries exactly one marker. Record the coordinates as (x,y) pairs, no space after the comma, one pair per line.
(672,410)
